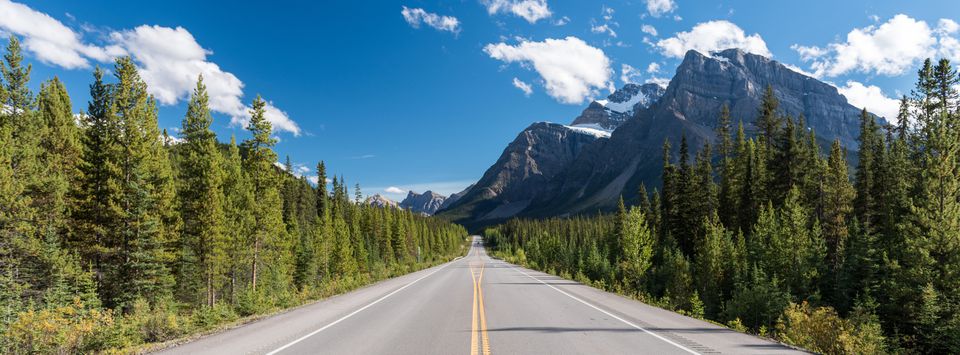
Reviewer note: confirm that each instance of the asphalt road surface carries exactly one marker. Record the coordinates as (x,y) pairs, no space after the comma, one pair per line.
(479,305)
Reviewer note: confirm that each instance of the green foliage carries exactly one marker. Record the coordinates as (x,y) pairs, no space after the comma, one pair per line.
(821,330)
(787,235)
(113,235)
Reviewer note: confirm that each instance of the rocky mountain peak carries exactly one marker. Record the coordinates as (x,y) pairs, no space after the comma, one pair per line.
(619,106)
(427,203)
(380,201)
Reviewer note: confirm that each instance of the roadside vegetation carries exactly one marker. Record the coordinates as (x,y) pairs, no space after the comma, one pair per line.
(114,234)
(769,235)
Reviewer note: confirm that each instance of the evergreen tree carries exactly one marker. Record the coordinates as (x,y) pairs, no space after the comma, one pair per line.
(768,119)
(267,229)
(838,197)
(202,202)
(238,206)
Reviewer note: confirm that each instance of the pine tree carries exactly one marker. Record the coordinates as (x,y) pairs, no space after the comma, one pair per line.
(727,194)
(768,119)
(139,266)
(59,157)
(865,204)
(637,243)
(18,97)
(238,207)
(838,197)
(267,229)
(202,202)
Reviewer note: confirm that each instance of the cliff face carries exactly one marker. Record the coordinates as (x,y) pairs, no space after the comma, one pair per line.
(538,155)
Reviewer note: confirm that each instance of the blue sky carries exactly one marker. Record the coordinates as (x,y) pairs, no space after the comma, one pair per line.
(425,94)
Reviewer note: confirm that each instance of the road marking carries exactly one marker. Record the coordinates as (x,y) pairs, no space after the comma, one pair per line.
(481,345)
(483,316)
(608,313)
(360,309)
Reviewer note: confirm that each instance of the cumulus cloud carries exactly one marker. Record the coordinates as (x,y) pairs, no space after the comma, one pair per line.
(657,8)
(648,29)
(949,46)
(530,10)
(523,86)
(571,69)
(415,17)
(49,40)
(394,190)
(712,36)
(169,60)
(653,68)
(871,98)
(888,49)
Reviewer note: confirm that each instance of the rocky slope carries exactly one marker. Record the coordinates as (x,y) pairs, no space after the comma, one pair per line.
(619,106)
(380,201)
(427,203)
(544,173)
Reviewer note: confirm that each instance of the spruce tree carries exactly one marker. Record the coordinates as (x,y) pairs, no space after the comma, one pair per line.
(202,203)
(267,229)
(838,197)
(140,265)
(238,213)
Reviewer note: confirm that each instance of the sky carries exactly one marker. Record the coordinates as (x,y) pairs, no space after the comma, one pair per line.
(424,94)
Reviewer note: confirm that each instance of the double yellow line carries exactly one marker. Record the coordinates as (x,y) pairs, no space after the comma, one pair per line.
(478,307)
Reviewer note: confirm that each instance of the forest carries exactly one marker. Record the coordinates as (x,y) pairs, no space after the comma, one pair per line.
(771,236)
(114,234)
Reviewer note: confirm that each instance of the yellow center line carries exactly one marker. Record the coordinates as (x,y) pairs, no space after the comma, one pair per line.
(483,317)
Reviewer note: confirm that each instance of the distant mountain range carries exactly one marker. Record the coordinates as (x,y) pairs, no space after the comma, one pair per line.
(616,144)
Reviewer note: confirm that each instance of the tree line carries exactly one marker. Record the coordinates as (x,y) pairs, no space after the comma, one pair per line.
(114,234)
(770,235)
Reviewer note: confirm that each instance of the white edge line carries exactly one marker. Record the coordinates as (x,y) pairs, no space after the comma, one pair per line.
(608,313)
(360,309)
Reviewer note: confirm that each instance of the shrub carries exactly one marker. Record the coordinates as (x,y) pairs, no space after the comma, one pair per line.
(821,330)
(67,329)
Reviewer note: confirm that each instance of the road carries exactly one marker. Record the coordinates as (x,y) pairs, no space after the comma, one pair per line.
(479,305)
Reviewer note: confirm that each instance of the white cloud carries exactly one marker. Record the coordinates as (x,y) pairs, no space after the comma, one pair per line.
(648,29)
(415,17)
(561,21)
(653,68)
(947,26)
(949,46)
(604,28)
(571,69)
(888,49)
(656,8)
(520,84)
(530,10)
(170,59)
(871,98)
(48,39)
(394,190)
(629,74)
(712,36)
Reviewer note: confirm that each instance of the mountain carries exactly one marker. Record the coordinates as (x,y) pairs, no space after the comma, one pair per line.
(619,106)
(427,203)
(380,201)
(546,172)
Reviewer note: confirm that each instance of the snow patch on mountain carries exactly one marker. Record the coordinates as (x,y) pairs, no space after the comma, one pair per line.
(592,129)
